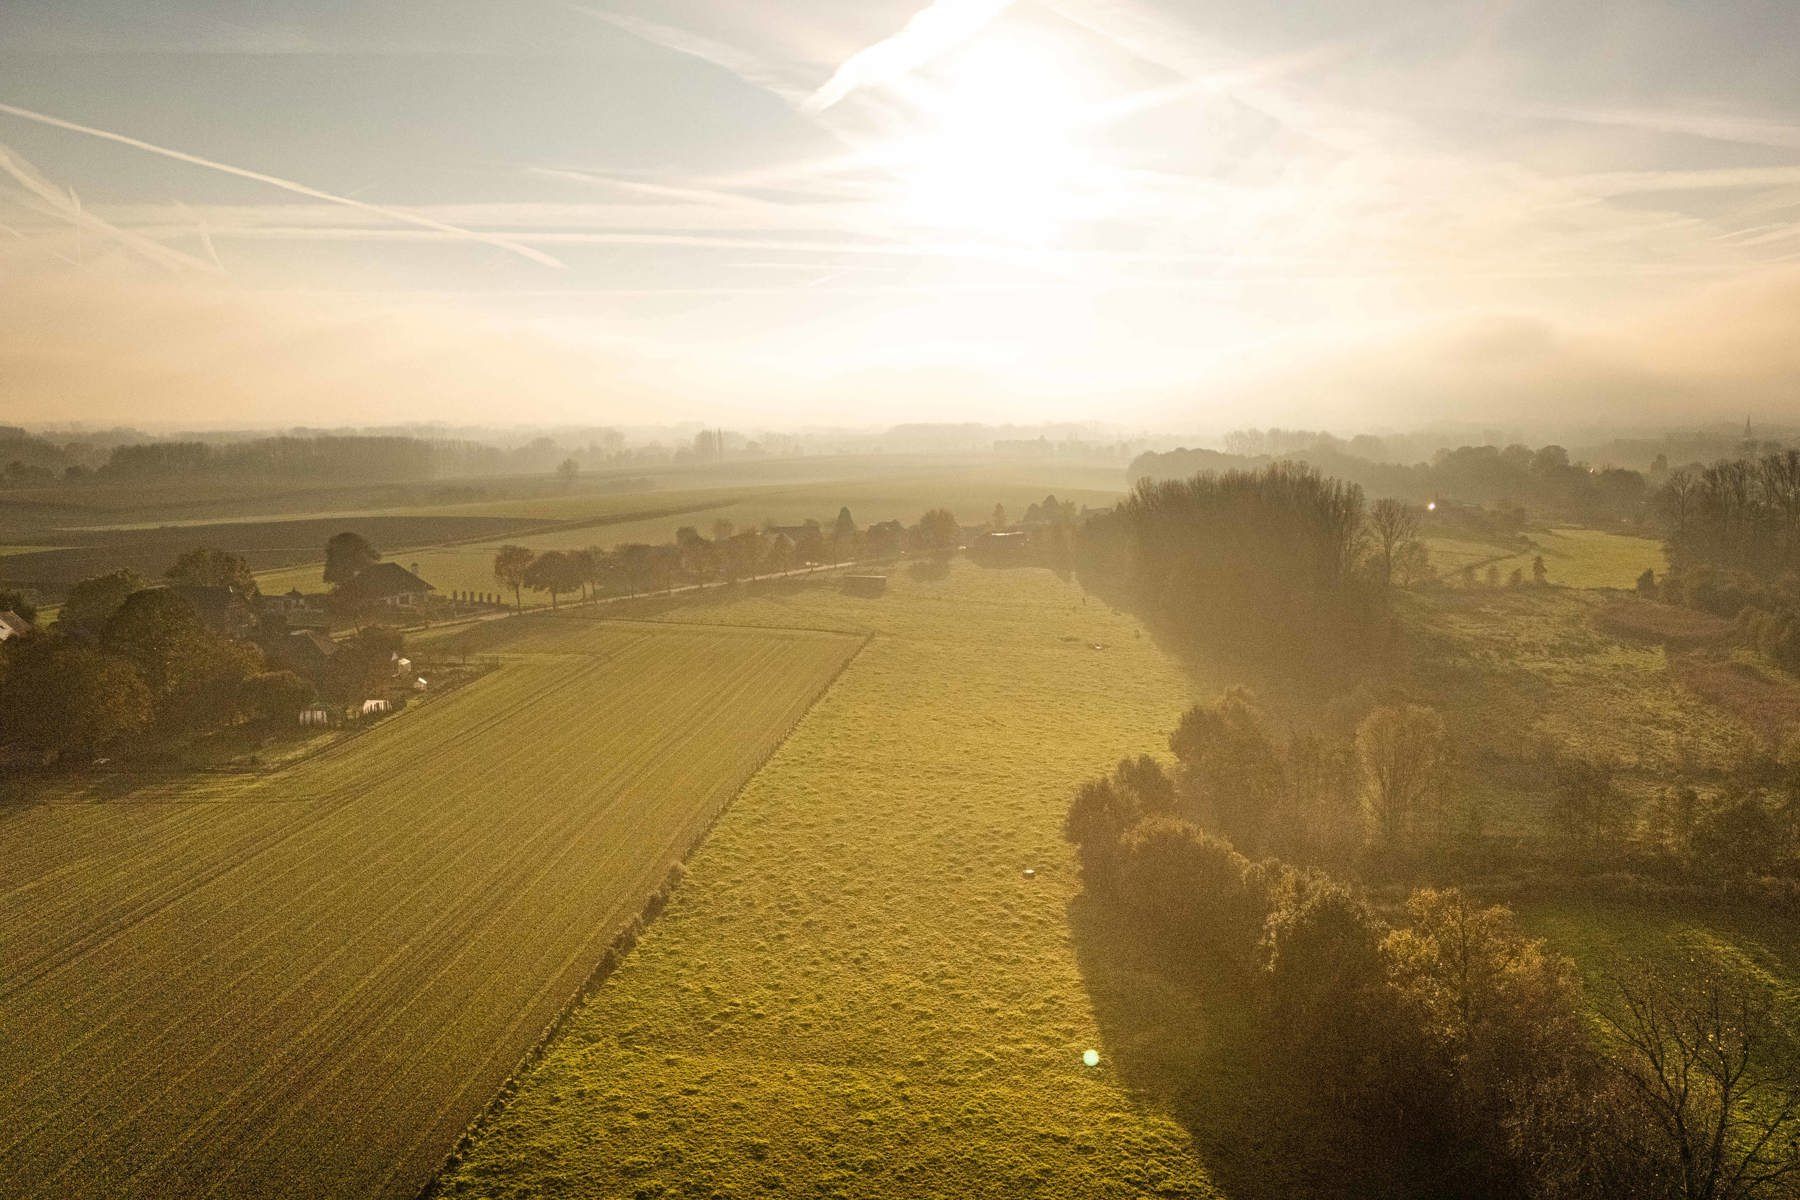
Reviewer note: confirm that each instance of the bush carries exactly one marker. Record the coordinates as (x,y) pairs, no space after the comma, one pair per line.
(1192,890)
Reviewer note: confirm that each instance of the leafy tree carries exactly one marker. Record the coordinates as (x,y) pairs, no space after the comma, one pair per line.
(1540,574)
(584,565)
(1327,983)
(1499,1012)
(1585,805)
(843,534)
(61,697)
(998,518)
(568,471)
(276,696)
(555,572)
(363,664)
(1229,770)
(510,566)
(91,603)
(348,555)
(1403,751)
(15,601)
(1192,889)
(193,674)
(938,531)
(205,566)
(1105,808)
(1739,835)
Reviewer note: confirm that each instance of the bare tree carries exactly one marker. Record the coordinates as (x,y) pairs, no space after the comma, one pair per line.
(1393,524)
(1403,752)
(1713,1072)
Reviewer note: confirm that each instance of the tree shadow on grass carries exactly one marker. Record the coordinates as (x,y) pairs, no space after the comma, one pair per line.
(1192,1047)
(1295,667)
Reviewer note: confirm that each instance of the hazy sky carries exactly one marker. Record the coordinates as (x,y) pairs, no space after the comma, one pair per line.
(763,211)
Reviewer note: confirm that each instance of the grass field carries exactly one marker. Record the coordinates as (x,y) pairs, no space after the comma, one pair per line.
(1515,671)
(307,983)
(857,992)
(1606,937)
(1580,558)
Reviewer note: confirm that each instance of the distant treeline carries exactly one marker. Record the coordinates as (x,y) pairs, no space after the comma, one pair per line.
(1742,514)
(1544,479)
(330,458)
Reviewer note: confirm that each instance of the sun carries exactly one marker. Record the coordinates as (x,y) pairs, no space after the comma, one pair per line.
(999,156)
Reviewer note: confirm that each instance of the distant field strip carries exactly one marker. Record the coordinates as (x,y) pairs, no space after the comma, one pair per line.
(314,997)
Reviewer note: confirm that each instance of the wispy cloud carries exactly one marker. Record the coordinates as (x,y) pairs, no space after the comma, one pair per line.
(730,59)
(399,215)
(942,26)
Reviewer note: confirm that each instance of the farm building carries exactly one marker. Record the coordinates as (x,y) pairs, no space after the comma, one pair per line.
(1011,543)
(12,625)
(295,601)
(306,652)
(388,583)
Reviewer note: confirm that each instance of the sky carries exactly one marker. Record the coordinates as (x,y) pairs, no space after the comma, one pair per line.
(1160,215)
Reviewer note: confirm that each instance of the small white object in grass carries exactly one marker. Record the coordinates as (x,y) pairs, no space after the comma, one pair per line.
(1090,1058)
(1031,872)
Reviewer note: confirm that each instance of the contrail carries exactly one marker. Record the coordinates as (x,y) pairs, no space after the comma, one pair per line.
(57,204)
(931,31)
(287,185)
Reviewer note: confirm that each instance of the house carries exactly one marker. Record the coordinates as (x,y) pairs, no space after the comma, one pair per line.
(219,608)
(294,601)
(315,715)
(12,625)
(306,652)
(387,583)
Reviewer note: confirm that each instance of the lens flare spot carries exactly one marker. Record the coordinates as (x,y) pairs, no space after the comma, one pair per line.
(1090,1058)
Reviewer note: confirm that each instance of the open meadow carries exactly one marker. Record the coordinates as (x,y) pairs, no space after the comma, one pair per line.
(308,982)
(858,991)
(1573,557)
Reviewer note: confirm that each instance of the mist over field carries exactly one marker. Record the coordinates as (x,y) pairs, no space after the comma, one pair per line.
(980,598)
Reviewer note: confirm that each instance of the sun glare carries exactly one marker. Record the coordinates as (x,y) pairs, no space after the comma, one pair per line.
(1001,158)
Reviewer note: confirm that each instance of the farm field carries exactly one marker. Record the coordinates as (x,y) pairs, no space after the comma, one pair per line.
(969,492)
(857,991)
(308,982)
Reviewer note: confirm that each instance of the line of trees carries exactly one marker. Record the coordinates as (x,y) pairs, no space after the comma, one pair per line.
(1457,1043)
(730,554)
(1278,550)
(1732,536)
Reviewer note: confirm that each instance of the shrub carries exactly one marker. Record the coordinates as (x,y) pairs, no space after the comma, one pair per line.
(1193,890)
